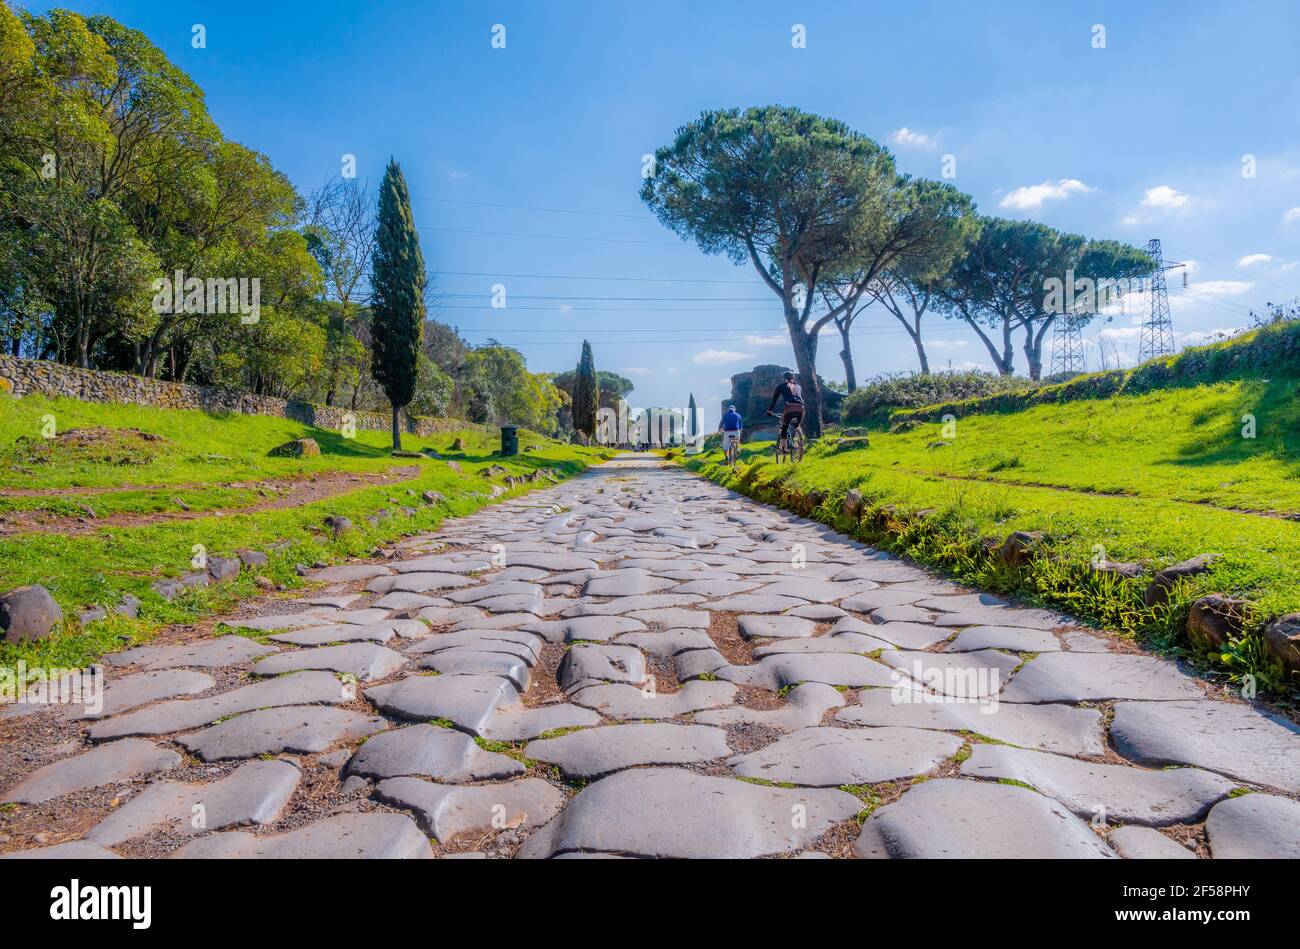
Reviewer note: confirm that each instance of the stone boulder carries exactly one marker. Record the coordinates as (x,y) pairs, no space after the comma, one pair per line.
(1019,548)
(28,613)
(298,448)
(338,525)
(1282,637)
(1214,620)
(1165,580)
(851,506)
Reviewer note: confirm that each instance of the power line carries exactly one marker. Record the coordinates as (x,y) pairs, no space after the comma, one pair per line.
(556,237)
(543,296)
(552,276)
(527,207)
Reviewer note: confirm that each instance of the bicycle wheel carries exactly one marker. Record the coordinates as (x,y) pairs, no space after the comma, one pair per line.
(796,446)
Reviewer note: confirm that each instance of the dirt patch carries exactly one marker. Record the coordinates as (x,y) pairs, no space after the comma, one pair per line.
(725,633)
(283,493)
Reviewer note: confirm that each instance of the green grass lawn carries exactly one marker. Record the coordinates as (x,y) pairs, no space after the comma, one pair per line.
(1156,478)
(203,453)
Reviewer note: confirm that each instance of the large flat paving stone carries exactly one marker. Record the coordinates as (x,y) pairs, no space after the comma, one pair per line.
(948,818)
(1014,638)
(469,661)
(1255,826)
(777,671)
(1059,728)
(587,664)
(113,763)
(628,582)
(804,706)
(498,588)
(592,752)
(349,572)
(1143,843)
(132,691)
(366,661)
(669,812)
(447,812)
(512,642)
(254,793)
(443,754)
(1081,677)
(342,837)
(72,850)
(756,603)
(299,688)
(589,628)
(1227,737)
(213,653)
(830,757)
(775,627)
(632,605)
(627,702)
(901,634)
(966,675)
(380,632)
(468,701)
(672,617)
(666,642)
(295,729)
(813,590)
(1128,795)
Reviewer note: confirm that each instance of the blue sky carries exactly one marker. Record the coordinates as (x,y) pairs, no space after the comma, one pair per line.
(525,161)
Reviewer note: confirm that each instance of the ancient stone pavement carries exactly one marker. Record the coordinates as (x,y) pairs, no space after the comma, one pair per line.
(640,663)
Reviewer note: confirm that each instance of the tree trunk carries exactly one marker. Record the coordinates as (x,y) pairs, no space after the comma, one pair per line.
(846,356)
(397,430)
(920,352)
(805,358)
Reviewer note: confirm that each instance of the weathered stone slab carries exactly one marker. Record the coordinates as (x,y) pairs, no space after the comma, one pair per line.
(830,757)
(814,590)
(586,664)
(869,600)
(403,600)
(669,812)
(366,661)
(302,730)
(697,662)
(469,661)
(254,793)
(468,701)
(114,763)
(804,706)
(350,572)
(627,582)
(717,588)
(1059,728)
(672,617)
(593,752)
(1118,793)
(666,642)
(316,616)
(976,820)
(444,754)
(844,642)
(1143,843)
(497,588)
(442,616)
(967,675)
(516,723)
(128,692)
(447,812)
(1014,638)
(590,628)
(633,605)
(512,642)
(380,632)
(1079,677)
(775,627)
(1227,737)
(627,702)
(342,837)
(300,688)
(420,583)
(778,671)
(756,603)
(213,653)
(72,850)
(820,612)
(902,635)
(1255,826)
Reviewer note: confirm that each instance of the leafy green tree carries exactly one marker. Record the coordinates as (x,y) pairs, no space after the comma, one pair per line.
(500,389)
(586,394)
(397,296)
(808,202)
(433,390)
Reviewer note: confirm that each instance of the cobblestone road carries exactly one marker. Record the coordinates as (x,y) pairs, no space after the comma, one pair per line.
(640,663)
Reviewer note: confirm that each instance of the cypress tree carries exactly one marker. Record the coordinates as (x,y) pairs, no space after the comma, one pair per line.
(692,419)
(586,394)
(397,305)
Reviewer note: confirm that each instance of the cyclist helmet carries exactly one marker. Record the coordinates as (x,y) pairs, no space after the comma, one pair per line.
(787,375)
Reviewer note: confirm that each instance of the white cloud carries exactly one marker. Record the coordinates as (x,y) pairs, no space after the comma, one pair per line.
(1032,197)
(776,340)
(1164,196)
(907,138)
(1222,288)
(1251,260)
(565,308)
(715,357)
(946,343)
(635,370)
(1292,215)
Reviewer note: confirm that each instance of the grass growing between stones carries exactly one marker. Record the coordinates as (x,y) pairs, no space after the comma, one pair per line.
(1155,478)
(206,454)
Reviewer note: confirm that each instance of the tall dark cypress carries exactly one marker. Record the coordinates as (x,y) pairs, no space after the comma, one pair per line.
(692,419)
(397,303)
(586,394)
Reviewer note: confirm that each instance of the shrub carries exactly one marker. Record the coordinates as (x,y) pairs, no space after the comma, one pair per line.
(873,403)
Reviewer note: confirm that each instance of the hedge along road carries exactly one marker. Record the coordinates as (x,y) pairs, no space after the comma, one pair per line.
(640,662)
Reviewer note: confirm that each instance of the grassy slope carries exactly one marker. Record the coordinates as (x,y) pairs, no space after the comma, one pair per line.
(1175,458)
(202,451)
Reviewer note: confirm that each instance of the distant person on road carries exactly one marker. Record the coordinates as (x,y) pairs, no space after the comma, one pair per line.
(790,391)
(730,427)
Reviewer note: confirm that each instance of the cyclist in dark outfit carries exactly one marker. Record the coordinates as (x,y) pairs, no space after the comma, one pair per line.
(790,391)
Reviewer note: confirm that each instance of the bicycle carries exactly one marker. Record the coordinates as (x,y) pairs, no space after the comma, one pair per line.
(791,447)
(731,450)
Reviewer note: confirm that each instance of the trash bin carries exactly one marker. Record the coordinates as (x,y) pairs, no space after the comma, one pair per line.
(509,440)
